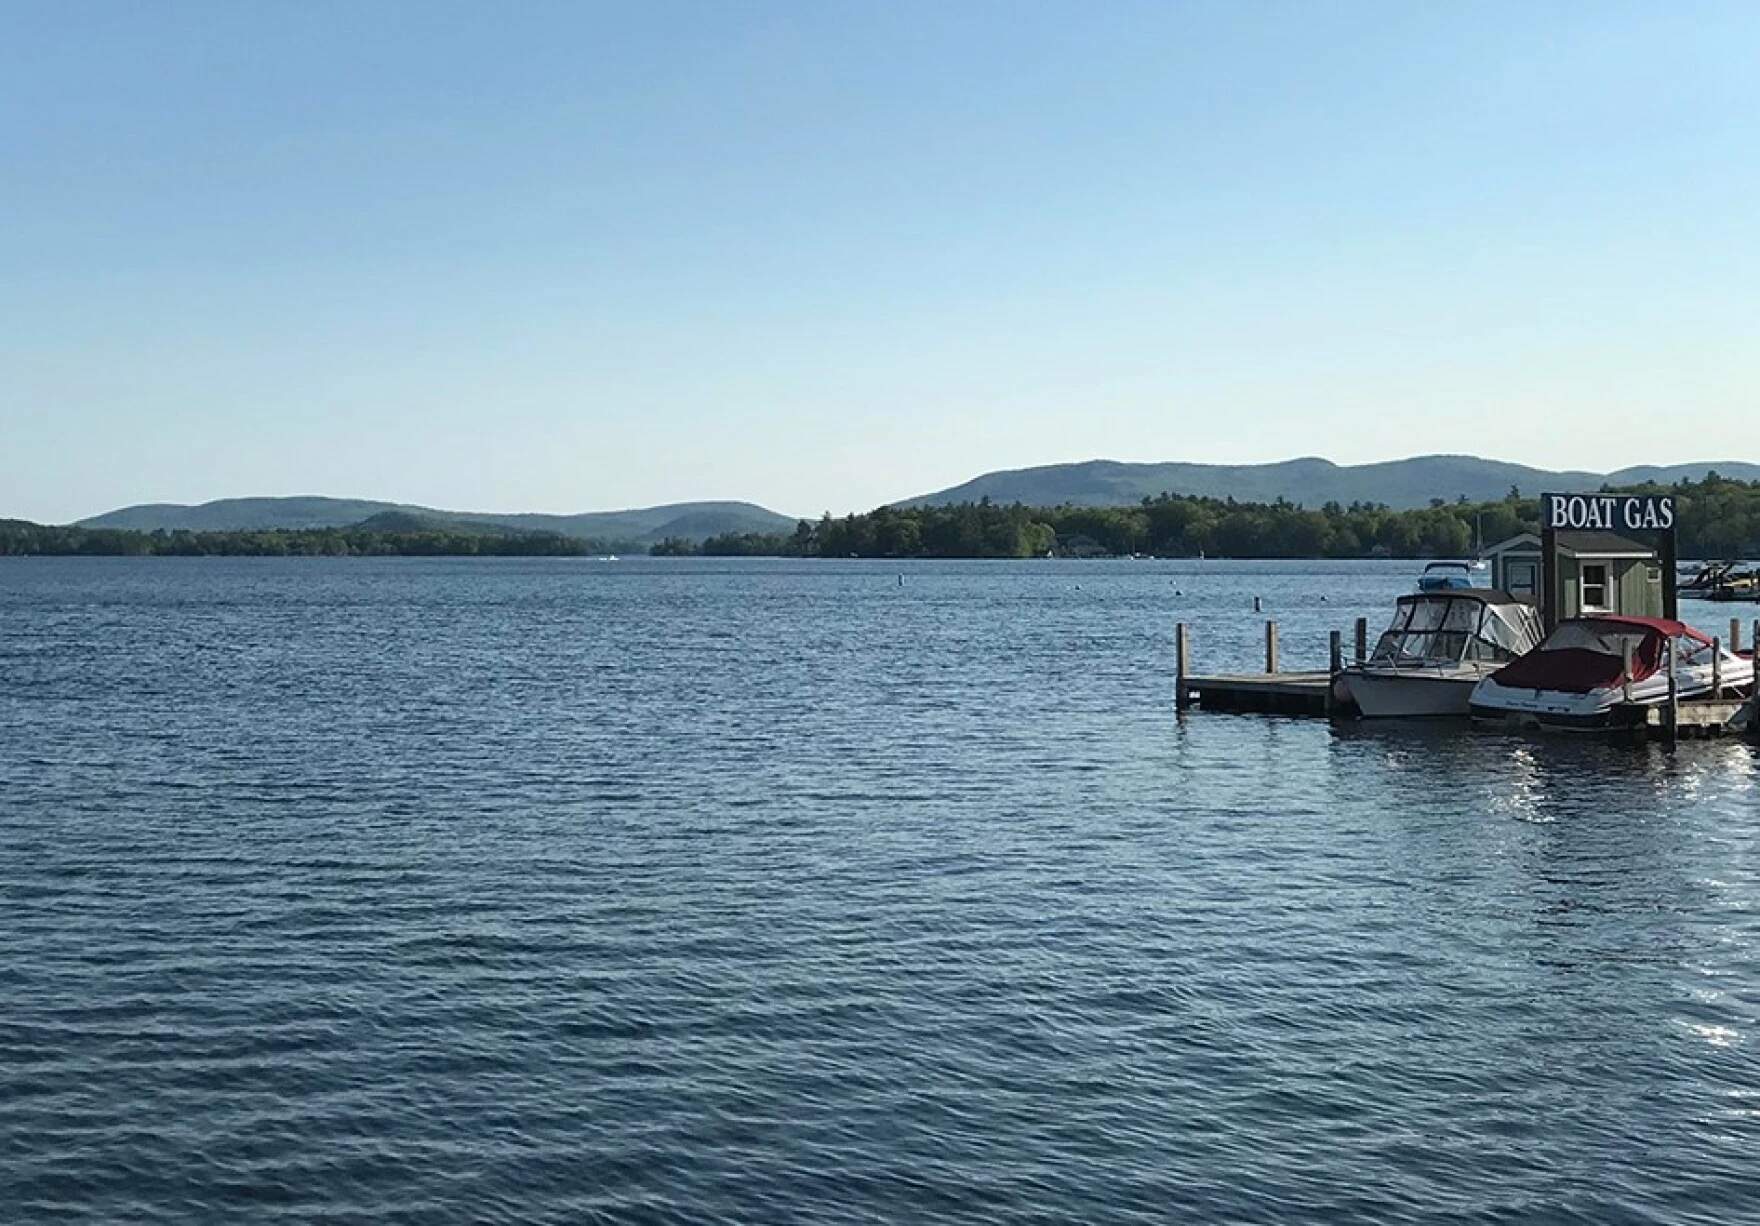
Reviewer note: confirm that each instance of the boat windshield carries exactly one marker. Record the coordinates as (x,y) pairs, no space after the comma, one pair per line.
(1603,638)
(1439,629)
(1614,638)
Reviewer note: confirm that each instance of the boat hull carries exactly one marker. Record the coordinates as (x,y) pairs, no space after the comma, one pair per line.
(1589,719)
(1598,710)
(1395,694)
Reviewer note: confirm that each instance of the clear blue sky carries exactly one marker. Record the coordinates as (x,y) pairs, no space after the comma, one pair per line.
(820,255)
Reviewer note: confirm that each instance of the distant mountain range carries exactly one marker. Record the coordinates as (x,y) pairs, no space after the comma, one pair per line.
(1310,481)
(691,520)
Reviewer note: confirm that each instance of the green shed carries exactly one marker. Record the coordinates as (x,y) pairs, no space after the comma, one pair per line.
(1598,572)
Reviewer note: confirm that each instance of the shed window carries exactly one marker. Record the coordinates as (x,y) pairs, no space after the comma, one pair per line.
(1595,587)
(1521,576)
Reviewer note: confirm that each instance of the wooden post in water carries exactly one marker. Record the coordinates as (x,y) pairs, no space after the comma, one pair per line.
(1362,639)
(1182,663)
(1335,660)
(1625,673)
(1754,685)
(1271,647)
(1716,668)
(1735,634)
(1673,714)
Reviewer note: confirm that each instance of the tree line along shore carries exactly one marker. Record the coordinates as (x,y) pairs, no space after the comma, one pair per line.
(1717,518)
(23,538)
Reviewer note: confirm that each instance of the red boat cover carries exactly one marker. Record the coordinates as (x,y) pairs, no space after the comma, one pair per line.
(1584,654)
(1577,670)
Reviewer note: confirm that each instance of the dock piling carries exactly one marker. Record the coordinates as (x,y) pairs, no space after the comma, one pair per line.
(1754,689)
(1625,672)
(1182,655)
(1335,666)
(1271,647)
(1735,634)
(1672,713)
(1716,668)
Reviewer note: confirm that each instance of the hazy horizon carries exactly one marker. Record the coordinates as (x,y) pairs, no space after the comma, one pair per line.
(561,258)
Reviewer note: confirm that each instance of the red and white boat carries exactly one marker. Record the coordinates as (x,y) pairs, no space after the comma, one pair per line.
(1579,678)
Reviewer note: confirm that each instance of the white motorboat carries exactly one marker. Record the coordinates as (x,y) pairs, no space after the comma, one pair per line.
(1440,645)
(1592,672)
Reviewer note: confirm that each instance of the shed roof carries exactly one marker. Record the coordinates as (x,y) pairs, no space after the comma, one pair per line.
(1519,541)
(1580,544)
(1603,545)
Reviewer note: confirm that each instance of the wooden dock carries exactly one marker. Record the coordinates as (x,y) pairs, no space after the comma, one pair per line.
(1692,719)
(1275,693)
(1271,692)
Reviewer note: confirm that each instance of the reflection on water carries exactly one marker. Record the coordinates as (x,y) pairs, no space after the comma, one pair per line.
(671,891)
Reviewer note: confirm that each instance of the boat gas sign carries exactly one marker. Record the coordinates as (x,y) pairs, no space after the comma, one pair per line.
(1610,512)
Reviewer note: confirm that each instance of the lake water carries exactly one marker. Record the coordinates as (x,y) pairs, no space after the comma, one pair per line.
(772,892)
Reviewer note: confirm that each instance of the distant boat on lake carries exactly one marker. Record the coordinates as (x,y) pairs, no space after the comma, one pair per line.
(1446,577)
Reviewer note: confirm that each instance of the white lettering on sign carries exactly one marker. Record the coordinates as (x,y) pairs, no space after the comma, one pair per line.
(1610,512)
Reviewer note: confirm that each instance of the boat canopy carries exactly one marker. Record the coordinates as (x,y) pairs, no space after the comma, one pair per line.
(1462,624)
(1588,653)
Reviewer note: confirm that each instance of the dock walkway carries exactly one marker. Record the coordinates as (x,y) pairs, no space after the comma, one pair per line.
(1277,693)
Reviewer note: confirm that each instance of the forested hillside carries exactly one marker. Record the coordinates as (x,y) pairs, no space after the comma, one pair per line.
(1718,518)
(1407,484)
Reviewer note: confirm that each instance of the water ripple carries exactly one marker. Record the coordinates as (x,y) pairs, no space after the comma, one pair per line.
(431,891)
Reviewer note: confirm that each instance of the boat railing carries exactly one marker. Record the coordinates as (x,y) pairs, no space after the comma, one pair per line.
(1420,663)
